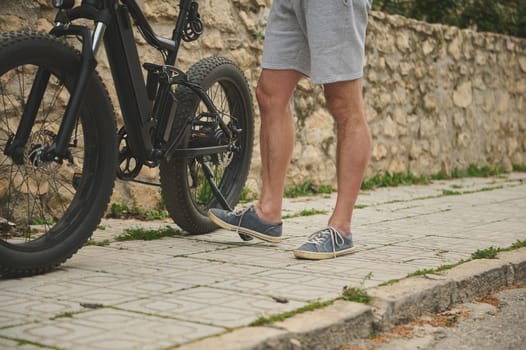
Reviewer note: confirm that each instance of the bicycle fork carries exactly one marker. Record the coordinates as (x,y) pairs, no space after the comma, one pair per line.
(59,149)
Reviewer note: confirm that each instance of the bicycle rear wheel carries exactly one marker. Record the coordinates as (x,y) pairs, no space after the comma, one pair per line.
(48,209)
(187,194)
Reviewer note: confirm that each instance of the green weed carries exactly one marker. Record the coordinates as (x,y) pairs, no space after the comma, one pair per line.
(156,214)
(357,294)
(390,282)
(475,171)
(314,305)
(42,221)
(488,253)
(63,315)
(259,35)
(306,212)
(247,195)
(306,189)
(387,179)
(517,245)
(421,272)
(450,193)
(122,211)
(118,209)
(140,234)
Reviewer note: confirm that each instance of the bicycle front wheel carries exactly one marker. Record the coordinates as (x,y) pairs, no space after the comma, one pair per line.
(186,191)
(49,208)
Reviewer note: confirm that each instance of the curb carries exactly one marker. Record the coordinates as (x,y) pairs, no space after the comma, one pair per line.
(341,322)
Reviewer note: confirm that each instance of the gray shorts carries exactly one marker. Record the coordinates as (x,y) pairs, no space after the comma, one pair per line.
(324,39)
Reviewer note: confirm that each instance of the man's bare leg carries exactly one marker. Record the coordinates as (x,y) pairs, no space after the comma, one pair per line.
(345,103)
(274,92)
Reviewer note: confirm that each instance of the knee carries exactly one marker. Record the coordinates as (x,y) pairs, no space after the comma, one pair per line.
(263,97)
(346,115)
(339,108)
(271,101)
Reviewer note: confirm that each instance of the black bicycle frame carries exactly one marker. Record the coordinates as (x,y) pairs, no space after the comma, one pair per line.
(112,20)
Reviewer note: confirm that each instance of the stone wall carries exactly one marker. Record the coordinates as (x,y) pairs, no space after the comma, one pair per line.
(437,98)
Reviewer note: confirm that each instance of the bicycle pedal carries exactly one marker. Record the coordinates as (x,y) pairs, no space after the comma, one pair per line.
(245,237)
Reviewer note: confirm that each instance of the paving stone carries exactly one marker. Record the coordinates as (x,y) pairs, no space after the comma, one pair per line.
(163,293)
(111,329)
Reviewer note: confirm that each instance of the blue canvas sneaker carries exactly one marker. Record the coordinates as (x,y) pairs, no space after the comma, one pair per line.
(325,244)
(246,222)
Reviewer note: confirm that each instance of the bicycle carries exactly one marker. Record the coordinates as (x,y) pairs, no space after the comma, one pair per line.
(60,147)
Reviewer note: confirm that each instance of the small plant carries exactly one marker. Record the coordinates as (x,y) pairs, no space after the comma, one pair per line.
(305,212)
(387,179)
(486,189)
(475,171)
(518,244)
(42,221)
(306,189)
(63,315)
(118,209)
(140,234)
(357,294)
(247,195)
(314,305)
(259,35)
(421,272)
(156,214)
(519,167)
(450,193)
(488,253)
(390,282)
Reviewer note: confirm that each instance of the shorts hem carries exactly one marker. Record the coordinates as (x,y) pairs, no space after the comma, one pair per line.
(278,66)
(337,78)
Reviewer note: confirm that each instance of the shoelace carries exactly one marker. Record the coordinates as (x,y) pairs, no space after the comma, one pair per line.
(318,238)
(241,213)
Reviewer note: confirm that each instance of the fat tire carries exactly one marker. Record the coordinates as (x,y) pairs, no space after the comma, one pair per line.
(87,207)
(175,186)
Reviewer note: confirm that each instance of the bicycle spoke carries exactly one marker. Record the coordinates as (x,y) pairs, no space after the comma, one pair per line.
(31,186)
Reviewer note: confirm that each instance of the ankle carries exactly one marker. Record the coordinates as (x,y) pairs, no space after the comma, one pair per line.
(273,216)
(344,229)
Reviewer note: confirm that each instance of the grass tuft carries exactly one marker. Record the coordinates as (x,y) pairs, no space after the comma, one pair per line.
(140,234)
(314,305)
(488,253)
(387,179)
(356,294)
(306,212)
(307,189)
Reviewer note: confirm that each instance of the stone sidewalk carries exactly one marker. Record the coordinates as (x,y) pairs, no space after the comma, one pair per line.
(175,291)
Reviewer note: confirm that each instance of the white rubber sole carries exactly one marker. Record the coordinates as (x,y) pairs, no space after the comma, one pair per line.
(302,254)
(244,230)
